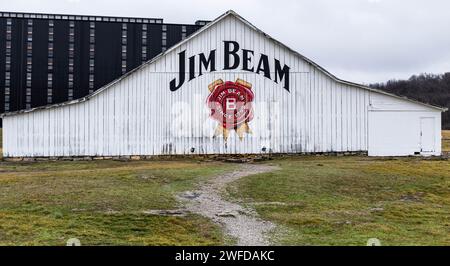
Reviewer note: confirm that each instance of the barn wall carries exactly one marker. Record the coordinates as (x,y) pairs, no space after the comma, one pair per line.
(139,115)
(395,127)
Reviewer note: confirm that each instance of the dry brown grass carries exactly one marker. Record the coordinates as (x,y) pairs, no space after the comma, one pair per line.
(446,140)
(101,203)
(446,134)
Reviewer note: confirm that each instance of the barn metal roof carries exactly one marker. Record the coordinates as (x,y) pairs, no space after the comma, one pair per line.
(206,27)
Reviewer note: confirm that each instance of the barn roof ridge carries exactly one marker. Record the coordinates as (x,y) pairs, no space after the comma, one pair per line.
(204,28)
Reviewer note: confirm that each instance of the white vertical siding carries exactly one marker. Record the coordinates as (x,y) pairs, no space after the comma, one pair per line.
(395,129)
(138,115)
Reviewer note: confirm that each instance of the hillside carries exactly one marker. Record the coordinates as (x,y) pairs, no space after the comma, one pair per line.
(428,88)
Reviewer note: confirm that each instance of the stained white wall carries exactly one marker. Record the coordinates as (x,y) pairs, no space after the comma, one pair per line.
(395,127)
(139,115)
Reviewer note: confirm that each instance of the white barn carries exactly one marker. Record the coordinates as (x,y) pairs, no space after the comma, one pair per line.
(273,99)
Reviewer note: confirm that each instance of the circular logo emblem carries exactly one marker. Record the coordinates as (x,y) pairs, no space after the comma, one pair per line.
(230,103)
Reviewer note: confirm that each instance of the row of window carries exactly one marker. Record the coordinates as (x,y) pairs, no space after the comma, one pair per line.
(71,59)
(144,43)
(164,38)
(124,48)
(29,66)
(91,55)
(51,25)
(8,64)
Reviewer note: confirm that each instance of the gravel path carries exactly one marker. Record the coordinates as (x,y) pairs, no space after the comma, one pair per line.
(239,222)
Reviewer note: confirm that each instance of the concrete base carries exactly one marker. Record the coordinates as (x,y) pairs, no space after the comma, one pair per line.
(219,157)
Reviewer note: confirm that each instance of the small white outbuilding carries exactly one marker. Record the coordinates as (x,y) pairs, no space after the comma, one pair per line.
(227,89)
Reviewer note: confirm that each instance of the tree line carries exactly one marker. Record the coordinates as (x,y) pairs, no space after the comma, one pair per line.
(428,88)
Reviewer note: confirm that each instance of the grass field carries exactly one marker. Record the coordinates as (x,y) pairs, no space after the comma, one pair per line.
(101,203)
(315,200)
(347,200)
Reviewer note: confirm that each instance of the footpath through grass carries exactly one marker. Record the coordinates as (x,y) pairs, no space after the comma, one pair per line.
(347,200)
(101,203)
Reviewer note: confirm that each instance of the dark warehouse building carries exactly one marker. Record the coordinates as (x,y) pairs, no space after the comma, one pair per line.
(48,58)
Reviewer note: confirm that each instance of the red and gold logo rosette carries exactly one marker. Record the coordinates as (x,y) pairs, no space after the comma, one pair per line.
(231,106)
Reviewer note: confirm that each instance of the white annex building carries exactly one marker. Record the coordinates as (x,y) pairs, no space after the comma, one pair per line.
(229,88)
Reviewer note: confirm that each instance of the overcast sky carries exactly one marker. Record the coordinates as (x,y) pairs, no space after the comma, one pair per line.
(362,41)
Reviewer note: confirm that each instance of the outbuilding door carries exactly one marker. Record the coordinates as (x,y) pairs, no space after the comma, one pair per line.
(427,134)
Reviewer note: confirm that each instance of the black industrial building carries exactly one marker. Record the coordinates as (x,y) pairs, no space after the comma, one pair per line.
(49,58)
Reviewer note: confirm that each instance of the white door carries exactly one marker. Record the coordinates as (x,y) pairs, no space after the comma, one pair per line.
(427,134)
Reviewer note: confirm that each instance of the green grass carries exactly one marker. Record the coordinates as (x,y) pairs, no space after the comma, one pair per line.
(319,200)
(347,200)
(101,203)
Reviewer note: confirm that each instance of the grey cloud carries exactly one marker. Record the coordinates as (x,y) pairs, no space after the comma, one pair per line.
(359,40)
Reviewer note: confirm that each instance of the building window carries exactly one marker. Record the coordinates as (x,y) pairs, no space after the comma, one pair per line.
(124,47)
(91,56)
(29,63)
(71,57)
(50,62)
(7,79)
(144,43)
(8,63)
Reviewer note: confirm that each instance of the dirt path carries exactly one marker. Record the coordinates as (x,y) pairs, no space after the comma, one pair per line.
(239,222)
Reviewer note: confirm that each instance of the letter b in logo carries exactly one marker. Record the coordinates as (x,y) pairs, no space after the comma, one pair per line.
(231,104)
